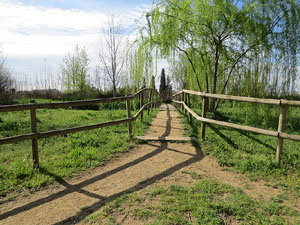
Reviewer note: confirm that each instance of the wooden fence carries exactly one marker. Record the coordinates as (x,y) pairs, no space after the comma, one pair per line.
(183,98)
(33,106)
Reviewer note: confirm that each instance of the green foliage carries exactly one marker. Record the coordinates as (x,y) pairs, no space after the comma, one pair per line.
(225,46)
(61,156)
(152,83)
(139,64)
(75,71)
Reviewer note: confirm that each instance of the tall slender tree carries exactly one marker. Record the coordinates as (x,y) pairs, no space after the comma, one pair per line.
(162,85)
(74,70)
(111,53)
(6,81)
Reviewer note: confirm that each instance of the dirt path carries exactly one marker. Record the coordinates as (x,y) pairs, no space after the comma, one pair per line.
(146,164)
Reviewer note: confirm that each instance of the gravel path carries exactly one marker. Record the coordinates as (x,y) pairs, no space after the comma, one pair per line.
(71,201)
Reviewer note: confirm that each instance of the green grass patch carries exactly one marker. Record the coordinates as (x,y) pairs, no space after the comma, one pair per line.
(61,156)
(207,202)
(251,153)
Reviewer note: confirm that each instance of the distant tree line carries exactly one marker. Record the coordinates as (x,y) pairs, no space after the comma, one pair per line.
(240,47)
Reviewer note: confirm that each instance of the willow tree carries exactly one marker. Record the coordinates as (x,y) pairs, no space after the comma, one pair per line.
(217,37)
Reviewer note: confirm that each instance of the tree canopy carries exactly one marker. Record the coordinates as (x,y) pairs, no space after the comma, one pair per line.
(221,39)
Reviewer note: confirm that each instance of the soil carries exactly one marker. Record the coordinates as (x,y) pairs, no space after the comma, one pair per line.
(152,163)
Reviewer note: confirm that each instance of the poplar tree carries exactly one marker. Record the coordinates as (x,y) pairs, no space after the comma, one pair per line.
(162,85)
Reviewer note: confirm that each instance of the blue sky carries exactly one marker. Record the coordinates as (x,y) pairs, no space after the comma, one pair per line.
(35,34)
(88,5)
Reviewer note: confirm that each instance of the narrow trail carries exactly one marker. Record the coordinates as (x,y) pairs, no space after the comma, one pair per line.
(161,163)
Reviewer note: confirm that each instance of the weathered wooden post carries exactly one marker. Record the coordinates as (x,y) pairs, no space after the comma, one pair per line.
(189,105)
(281,125)
(184,100)
(129,116)
(150,100)
(204,109)
(141,103)
(34,141)
(181,98)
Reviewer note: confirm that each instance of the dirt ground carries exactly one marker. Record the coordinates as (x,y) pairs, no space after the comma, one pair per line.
(159,163)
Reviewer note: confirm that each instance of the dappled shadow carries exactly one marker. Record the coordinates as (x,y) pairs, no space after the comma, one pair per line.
(102,200)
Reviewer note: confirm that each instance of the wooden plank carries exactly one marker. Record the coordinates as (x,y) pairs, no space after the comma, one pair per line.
(82,128)
(178,93)
(281,125)
(232,125)
(141,109)
(235,98)
(165,138)
(17,138)
(47,134)
(290,103)
(241,127)
(289,136)
(55,105)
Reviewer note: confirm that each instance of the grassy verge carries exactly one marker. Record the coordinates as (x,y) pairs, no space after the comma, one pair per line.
(204,202)
(250,153)
(61,156)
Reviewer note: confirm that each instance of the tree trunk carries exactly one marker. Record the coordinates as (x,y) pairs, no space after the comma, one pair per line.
(214,87)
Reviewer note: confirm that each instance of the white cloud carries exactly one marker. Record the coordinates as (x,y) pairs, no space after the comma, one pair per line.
(34,31)
(35,37)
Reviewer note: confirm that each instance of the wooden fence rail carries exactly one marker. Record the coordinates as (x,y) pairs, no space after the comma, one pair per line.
(283,104)
(35,135)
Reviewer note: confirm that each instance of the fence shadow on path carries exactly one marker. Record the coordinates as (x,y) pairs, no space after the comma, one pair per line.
(70,188)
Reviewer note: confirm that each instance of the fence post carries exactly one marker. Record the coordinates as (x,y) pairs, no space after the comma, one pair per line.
(141,103)
(129,116)
(150,100)
(281,125)
(181,99)
(34,141)
(189,105)
(184,100)
(204,109)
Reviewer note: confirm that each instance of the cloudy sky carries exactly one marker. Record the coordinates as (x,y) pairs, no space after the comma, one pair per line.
(37,34)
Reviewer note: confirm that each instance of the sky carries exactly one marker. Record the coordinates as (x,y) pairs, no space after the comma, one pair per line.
(36,35)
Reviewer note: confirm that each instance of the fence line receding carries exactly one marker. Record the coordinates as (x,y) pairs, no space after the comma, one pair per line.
(183,98)
(33,106)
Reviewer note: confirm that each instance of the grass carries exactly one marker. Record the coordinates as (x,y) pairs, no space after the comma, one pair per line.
(206,202)
(250,153)
(61,156)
